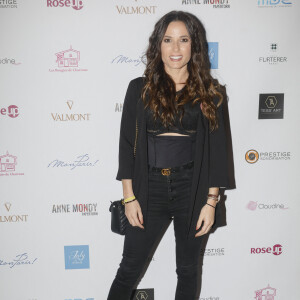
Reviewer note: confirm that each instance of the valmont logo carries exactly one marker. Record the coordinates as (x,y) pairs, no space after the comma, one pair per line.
(213,52)
(70,116)
(12,111)
(253,205)
(77,257)
(267,293)
(76,4)
(12,218)
(8,163)
(68,61)
(276,250)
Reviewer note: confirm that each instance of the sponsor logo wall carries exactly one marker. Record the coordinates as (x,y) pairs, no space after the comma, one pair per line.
(60,111)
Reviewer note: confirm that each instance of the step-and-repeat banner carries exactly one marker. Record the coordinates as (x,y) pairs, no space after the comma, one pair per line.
(65,66)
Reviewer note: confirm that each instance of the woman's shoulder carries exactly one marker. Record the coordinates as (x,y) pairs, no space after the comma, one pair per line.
(137,82)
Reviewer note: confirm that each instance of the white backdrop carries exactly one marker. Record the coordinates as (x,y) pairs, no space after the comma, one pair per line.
(59,133)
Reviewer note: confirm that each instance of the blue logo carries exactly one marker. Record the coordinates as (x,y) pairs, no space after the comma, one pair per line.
(273,2)
(77,257)
(213,53)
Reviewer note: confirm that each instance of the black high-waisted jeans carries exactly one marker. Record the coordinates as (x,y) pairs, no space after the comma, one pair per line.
(169,197)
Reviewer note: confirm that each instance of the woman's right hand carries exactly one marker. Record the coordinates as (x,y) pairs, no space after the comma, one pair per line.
(134,214)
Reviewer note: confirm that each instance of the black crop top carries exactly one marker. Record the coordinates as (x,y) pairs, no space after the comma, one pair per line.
(169,150)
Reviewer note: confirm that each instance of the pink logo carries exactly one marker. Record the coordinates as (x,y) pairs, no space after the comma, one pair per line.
(7,162)
(68,58)
(252,205)
(277,250)
(12,111)
(267,293)
(76,4)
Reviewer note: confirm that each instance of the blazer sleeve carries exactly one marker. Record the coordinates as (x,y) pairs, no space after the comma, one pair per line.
(218,164)
(127,134)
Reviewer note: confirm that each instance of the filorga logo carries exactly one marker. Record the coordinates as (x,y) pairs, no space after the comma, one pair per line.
(66,117)
(11,111)
(136,9)
(86,209)
(8,4)
(253,205)
(68,61)
(276,250)
(211,3)
(267,293)
(212,251)
(8,164)
(76,4)
(18,260)
(10,217)
(271,106)
(143,294)
(273,58)
(252,156)
(274,3)
(81,161)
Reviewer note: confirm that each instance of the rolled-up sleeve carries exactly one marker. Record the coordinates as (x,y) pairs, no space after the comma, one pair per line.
(127,134)
(218,159)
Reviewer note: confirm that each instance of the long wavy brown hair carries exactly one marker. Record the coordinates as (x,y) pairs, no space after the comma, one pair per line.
(200,86)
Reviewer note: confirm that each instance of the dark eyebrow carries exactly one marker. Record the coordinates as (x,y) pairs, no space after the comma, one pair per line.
(180,36)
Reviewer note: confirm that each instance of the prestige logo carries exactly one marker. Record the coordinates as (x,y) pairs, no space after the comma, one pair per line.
(12,111)
(12,218)
(212,251)
(75,4)
(276,250)
(71,116)
(267,293)
(252,156)
(252,205)
(8,4)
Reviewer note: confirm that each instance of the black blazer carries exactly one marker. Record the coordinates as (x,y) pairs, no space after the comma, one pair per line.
(210,163)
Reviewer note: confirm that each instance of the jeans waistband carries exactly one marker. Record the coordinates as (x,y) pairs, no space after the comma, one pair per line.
(167,171)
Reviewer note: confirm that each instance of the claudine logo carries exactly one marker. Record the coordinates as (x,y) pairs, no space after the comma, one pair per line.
(77,257)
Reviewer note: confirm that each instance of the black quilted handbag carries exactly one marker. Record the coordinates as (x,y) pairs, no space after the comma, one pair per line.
(119,220)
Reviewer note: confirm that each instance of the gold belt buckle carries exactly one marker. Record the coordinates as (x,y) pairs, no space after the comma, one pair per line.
(166,171)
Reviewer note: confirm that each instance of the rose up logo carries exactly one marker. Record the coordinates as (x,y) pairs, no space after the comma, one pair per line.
(277,250)
(76,4)
(12,111)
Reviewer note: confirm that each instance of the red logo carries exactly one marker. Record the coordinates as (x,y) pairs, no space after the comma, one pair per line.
(12,111)
(76,4)
(277,250)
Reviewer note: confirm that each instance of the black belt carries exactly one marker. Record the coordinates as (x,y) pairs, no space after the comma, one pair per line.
(168,171)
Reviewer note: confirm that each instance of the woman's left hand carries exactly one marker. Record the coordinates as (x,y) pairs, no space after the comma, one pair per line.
(207,215)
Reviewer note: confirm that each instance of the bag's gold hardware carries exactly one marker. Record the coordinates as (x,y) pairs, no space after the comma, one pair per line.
(166,171)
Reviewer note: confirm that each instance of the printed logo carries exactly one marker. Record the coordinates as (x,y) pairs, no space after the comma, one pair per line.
(143,294)
(76,4)
(12,218)
(136,9)
(267,293)
(213,53)
(276,250)
(68,61)
(8,61)
(82,161)
(271,106)
(12,111)
(87,209)
(20,259)
(122,59)
(274,3)
(211,3)
(70,116)
(8,163)
(273,59)
(212,251)
(8,4)
(252,156)
(77,257)
(253,205)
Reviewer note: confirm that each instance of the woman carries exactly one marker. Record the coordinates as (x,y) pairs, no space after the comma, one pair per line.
(172,153)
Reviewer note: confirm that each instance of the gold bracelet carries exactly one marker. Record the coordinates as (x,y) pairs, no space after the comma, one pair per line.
(129,199)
